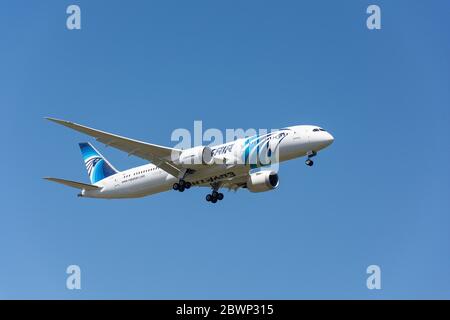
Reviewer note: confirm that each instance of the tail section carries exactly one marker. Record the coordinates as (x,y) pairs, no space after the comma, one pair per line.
(97,166)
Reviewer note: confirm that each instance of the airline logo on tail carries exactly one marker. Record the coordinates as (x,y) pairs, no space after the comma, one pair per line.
(97,166)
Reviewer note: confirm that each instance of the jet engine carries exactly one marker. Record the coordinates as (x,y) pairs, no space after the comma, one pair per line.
(194,157)
(262,181)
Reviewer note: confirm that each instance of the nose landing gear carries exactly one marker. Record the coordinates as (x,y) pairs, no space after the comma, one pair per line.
(308,161)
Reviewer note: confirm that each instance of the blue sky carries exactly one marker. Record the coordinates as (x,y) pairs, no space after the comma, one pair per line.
(378,195)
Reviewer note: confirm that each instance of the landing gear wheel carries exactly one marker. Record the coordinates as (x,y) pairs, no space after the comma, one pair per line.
(215,194)
(181,189)
(176,186)
(208,197)
(182,183)
(187,185)
(220,196)
(309,162)
(214,200)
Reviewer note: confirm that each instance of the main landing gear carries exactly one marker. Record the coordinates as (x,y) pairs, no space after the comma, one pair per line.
(214,197)
(215,194)
(308,161)
(181,185)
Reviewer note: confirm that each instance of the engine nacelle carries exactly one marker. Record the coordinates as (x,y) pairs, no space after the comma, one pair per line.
(262,181)
(195,157)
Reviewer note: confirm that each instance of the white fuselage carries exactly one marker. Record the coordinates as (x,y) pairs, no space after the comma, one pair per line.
(290,143)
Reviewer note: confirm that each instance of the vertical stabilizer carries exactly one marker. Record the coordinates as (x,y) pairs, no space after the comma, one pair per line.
(97,166)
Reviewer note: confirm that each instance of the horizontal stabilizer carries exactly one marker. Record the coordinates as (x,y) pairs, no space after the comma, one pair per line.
(73,184)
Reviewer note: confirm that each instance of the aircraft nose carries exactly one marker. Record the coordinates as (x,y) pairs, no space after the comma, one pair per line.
(329,139)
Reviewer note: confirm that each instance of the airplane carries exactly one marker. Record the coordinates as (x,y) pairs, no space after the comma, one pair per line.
(243,163)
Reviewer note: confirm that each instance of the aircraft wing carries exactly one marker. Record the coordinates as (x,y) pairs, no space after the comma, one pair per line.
(160,156)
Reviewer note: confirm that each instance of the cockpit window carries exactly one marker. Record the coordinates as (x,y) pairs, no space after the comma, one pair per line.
(322,130)
(315,130)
